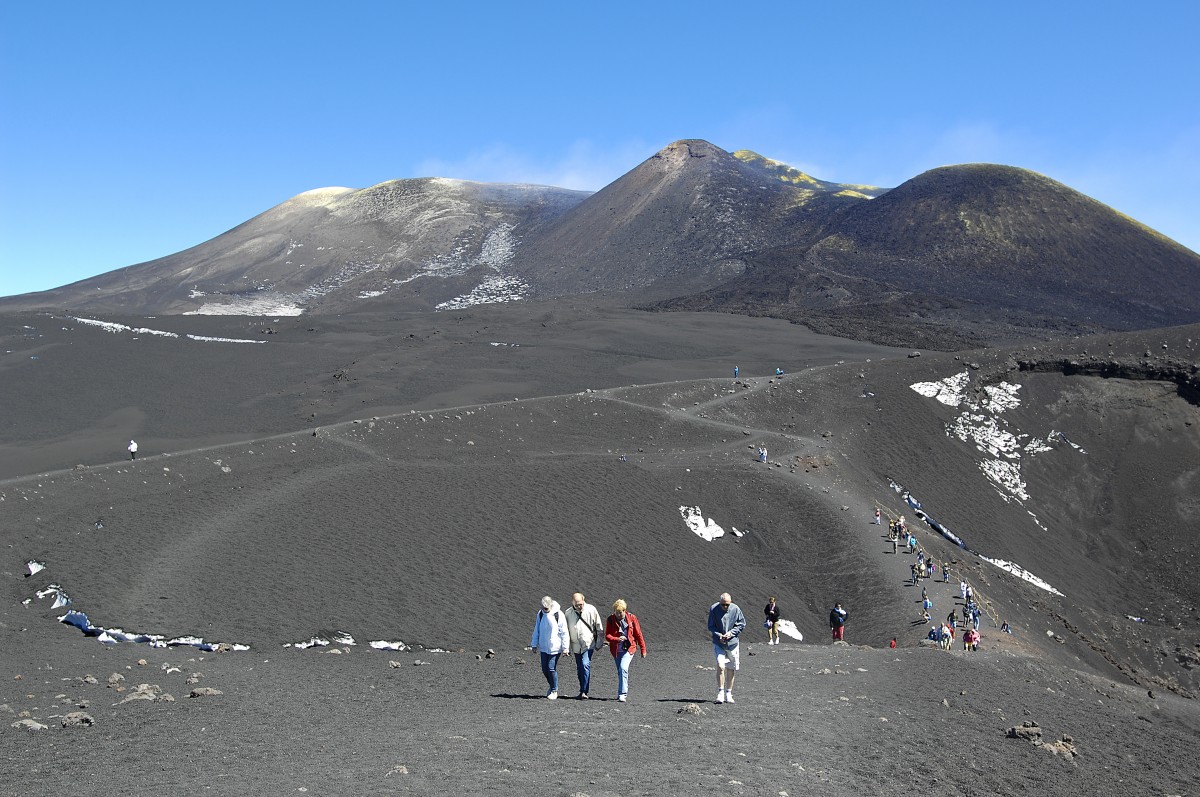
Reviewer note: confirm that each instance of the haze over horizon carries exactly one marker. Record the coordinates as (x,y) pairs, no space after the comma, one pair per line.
(135,133)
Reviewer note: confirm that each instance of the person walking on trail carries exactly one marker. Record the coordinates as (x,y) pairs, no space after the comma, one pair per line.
(623,633)
(736,371)
(550,639)
(878,517)
(771,610)
(725,625)
(945,572)
(132,449)
(586,631)
(837,622)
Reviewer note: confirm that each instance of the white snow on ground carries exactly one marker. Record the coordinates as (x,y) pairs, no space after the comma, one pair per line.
(980,424)
(312,643)
(1007,475)
(381,644)
(223,340)
(113,636)
(1021,572)
(115,328)
(492,290)
(949,391)
(1015,569)
(496,252)
(282,304)
(788,628)
(340,638)
(60,598)
(35,567)
(694,519)
(705,529)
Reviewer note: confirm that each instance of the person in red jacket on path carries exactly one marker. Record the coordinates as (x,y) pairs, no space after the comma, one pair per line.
(623,633)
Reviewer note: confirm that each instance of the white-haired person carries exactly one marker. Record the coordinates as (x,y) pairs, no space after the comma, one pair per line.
(726,623)
(623,633)
(551,640)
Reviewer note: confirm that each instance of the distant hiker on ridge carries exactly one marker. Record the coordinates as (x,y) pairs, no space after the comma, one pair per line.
(725,625)
(736,371)
(132,448)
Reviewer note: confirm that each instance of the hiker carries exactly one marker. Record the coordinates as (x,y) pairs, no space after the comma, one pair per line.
(587,634)
(624,635)
(725,625)
(945,572)
(736,371)
(837,622)
(771,610)
(132,448)
(971,640)
(550,639)
(878,517)
(762,454)
(892,644)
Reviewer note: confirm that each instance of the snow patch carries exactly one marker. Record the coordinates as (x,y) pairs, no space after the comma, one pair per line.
(707,530)
(493,290)
(950,391)
(1022,573)
(788,628)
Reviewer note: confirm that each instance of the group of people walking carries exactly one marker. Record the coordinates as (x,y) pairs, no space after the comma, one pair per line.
(579,631)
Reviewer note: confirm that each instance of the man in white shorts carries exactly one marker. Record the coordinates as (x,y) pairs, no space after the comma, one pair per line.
(725,624)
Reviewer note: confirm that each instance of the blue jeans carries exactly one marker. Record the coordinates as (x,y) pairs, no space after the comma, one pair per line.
(583,668)
(623,672)
(550,669)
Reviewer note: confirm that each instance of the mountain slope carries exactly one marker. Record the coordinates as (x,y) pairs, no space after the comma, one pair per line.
(331,248)
(965,248)
(682,219)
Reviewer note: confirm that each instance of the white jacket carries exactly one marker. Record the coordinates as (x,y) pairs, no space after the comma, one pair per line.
(550,631)
(586,628)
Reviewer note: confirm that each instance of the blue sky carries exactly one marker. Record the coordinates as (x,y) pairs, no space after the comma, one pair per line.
(129,131)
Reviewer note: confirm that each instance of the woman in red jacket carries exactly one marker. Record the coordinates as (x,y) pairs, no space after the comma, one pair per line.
(624,635)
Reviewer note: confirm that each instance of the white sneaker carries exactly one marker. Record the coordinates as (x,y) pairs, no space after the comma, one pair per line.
(621,698)
(729,697)
(720,695)
(552,695)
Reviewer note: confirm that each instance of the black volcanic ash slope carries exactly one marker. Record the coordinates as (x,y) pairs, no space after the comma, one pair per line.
(326,249)
(978,249)
(680,220)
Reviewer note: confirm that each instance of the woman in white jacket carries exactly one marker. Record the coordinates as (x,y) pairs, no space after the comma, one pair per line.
(550,639)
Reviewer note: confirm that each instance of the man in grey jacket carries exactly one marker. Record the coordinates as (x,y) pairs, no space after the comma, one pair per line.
(725,624)
(587,635)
